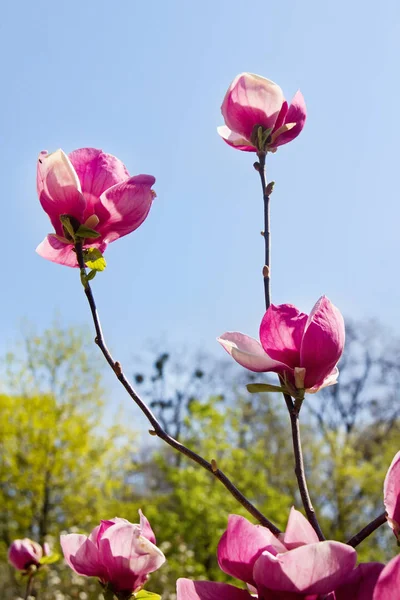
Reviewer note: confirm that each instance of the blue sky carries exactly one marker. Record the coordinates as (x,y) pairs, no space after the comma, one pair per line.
(144,81)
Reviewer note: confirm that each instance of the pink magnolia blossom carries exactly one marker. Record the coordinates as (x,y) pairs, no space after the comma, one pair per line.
(304,349)
(120,554)
(95,189)
(292,566)
(252,101)
(391,495)
(372,581)
(24,553)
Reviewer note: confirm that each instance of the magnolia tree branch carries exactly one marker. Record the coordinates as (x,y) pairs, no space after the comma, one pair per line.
(158,430)
(266,191)
(29,585)
(367,530)
(299,467)
(293,408)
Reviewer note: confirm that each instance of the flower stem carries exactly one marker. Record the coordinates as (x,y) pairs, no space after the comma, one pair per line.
(29,585)
(293,407)
(211,467)
(367,530)
(299,467)
(266,191)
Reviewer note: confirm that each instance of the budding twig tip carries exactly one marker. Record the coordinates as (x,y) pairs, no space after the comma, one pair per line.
(214,465)
(152,432)
(117,368)
(265,271)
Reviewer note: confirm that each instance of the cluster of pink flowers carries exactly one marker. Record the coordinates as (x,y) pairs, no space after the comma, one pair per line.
(91,201)
(296,565)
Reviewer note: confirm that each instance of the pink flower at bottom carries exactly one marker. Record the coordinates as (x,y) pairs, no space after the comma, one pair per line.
(292,566)
(120,554)
(303,348)
(94,189)
(24,553)
(391,495)
(372,581)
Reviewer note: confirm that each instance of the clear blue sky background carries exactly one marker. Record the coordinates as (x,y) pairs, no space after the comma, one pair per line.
(144,81)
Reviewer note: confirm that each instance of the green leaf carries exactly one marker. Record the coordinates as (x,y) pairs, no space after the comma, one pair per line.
(86,232)
(91,275)
(145,595)
(257,388)
(94,259)
(67,225)
(49,560)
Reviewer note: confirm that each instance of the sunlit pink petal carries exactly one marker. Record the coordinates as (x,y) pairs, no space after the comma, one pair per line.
(53,249)
(360,583)
(281,333)
(125,206)
(248,352)
(388,584)
(207,590)
(298,531)
(241,545)
(59,188)
(391,495)
(297,113)
(97,171)
(312,569)
(330,379)
(235,140)
(323,342)
(82,555)
(251,100)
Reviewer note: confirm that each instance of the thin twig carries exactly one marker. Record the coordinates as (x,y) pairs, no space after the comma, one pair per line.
(299,467)
(292,408)
(29,585)
(367,530)
(158,430)
(267,232)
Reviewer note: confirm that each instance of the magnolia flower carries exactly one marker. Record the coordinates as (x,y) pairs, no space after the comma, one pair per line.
(293,565)
(24,553)
(95,190)
(391,495)
(372,581)
(302,348)
(252,102)
(121,555)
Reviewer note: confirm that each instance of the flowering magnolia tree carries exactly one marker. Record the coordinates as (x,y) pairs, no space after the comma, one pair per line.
(91,201)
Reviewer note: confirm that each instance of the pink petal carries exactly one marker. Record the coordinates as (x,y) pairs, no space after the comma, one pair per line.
(330,379)
(298,531)
(23,553)
(312,569)
(124,207)
(281,117)
(248,352)
(128,556)
(391,495)
(207,590)
(53,249)
(146,529)
(281,333)
(59,188)
(297,113)
(235,140)
(388,585)
(361,582)
(241,545)
(323,342)
(251,100)
(82,555)
(97,171)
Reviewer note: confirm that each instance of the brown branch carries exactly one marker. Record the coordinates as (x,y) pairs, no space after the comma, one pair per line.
(158,430)
(367,530)
(266,191)
(299,466)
